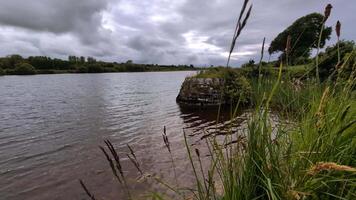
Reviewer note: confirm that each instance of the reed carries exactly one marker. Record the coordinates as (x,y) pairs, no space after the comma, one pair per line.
(327,13)
(338,33)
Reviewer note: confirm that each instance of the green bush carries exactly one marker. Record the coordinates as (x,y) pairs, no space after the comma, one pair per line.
(348,65)
(329,59)
(82,69)
(24,69)
(95,68)
(2,72)
(237,87)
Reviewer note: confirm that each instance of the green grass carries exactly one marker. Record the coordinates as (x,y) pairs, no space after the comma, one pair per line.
(312,158)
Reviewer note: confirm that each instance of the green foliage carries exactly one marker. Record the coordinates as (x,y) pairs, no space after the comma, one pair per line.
(24,69)
(47,65)
(95,68)
(214,72)
(2,72)
(311,158)
(250,63)
(237,87)
(329,59)
(304,34)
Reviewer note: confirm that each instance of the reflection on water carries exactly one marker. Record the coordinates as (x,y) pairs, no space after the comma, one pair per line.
(51,126)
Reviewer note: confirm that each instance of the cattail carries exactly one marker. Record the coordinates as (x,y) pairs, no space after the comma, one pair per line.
(338,28)
(327,12)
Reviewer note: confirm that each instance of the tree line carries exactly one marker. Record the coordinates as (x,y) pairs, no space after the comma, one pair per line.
(18,65)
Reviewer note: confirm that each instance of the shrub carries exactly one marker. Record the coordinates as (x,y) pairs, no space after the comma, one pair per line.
(95,68)
(237,87)
(329,59)
(2,72)
(82,69)
(24,69)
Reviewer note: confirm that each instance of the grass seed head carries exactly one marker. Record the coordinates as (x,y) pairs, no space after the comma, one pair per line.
(338,29)
(330,166)
(327,12)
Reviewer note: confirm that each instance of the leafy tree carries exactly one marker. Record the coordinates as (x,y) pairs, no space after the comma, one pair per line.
(329,59)
(91,60)
(24,69)
(13,60)
(304,33)
(82,59)
(95,68)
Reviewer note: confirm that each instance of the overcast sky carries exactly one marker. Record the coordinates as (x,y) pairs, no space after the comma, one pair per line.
(153,31)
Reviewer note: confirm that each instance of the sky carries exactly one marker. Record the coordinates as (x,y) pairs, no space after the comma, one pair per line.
(195,32)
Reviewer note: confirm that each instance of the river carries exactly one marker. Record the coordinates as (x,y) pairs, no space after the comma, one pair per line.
(51,127)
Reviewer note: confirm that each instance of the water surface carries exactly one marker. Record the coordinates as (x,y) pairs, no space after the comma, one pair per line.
(51,126)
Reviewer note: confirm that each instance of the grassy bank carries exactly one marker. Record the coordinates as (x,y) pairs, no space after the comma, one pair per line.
(312,158)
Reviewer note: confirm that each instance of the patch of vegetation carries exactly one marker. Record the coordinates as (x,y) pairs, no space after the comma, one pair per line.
(24,69)
(47,65)
(302,33)
(329,59)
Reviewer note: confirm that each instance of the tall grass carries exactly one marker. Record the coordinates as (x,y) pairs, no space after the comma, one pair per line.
(314,157)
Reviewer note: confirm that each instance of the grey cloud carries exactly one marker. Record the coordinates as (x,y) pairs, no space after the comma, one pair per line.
(81,17)
(152,31)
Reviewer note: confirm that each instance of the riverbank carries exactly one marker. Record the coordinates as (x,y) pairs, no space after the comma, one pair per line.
(17,65)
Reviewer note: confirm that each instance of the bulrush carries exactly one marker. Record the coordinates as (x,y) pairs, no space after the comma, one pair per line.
(338,33)
(338,29)
(327,12)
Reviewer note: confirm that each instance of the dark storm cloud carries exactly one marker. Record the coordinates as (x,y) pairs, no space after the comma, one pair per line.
(155,31)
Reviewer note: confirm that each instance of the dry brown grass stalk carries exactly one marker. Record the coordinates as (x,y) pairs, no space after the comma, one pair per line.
(329,166)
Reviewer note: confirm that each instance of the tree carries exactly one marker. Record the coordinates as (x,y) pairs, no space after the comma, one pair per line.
(304,34)
(329,59)
(82,59)
(24,69)
(14,60)
(91,60)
